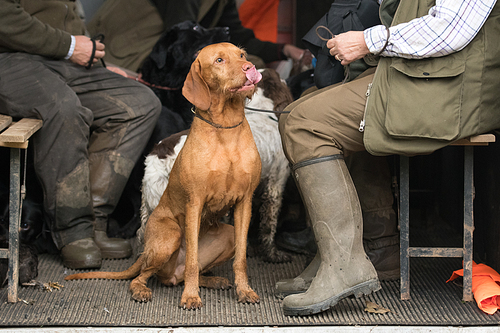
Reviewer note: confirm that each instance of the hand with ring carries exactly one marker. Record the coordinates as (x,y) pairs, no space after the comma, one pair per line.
(348,46)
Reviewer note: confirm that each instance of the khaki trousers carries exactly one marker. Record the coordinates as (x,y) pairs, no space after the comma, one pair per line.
(326,122)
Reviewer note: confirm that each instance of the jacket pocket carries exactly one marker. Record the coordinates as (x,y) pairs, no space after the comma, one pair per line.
(425,97)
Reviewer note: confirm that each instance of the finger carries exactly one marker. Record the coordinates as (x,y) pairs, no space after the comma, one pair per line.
(99,46)
(99,54)
(331,43)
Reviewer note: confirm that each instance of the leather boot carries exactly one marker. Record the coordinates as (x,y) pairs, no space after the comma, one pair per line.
(333,207)
(109,173)
(81,254)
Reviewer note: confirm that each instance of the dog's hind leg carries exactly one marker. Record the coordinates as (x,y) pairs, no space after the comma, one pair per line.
(158,252)
(242,214)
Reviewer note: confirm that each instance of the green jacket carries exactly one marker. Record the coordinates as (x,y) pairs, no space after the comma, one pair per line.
(419,106)
(42,27)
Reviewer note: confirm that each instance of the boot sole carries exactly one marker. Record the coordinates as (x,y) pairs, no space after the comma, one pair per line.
(362,289)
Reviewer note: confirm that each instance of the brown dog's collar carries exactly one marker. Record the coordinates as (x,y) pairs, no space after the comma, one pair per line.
(214,124)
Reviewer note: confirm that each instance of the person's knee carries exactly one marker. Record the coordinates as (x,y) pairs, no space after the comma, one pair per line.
(292,134)
(150,103)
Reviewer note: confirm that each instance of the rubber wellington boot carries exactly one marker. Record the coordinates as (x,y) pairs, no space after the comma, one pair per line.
(300,283)
(81,254)
(108,175)
(333,207)
(112,248)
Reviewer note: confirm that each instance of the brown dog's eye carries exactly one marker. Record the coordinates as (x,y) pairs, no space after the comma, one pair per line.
(242,55)
(219,60)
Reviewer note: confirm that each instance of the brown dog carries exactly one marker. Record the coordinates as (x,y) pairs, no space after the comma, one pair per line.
(218,168)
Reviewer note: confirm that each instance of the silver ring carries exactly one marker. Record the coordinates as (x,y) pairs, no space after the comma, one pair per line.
(338,58)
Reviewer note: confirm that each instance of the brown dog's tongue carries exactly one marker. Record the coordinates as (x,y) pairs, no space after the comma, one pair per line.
(253,75)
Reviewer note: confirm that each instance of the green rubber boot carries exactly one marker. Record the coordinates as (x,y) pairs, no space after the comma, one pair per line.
(81,254)
(300,283)
(333,207)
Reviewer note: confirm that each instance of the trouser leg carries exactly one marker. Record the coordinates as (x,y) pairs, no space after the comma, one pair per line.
(320,125)
(125,114)
(84,112)
(29,89)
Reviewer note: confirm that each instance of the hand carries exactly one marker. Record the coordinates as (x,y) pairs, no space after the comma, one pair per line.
(83,51)
(297,54)
(117,70)
(348,47)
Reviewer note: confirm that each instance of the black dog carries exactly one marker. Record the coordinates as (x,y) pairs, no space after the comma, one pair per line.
(164,70)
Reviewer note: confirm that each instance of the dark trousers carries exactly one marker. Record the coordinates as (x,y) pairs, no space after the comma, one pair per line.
(89,116)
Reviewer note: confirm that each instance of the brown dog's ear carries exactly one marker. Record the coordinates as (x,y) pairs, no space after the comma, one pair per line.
(195,89)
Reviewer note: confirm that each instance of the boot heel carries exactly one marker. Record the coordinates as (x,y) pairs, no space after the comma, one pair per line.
(366,288)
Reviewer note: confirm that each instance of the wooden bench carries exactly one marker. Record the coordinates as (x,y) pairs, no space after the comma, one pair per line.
(15,135)
(464,252)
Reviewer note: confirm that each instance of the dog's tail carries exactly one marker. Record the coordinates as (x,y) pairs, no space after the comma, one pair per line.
(129,273)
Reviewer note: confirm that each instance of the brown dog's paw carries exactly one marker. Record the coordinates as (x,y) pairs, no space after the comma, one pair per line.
(191,303)
(248,296)
(214,282)
(142,295)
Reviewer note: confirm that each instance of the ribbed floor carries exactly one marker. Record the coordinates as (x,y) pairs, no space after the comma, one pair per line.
(108,303)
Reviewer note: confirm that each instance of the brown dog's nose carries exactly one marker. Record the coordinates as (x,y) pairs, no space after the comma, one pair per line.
(246,66)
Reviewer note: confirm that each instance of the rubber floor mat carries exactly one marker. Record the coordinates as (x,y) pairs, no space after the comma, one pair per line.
(108,302)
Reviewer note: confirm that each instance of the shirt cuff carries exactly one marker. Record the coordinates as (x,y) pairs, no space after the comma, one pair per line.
(71,47)
(375,38)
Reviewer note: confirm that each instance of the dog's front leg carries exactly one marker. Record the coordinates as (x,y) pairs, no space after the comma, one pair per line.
(190,297)
(242,215)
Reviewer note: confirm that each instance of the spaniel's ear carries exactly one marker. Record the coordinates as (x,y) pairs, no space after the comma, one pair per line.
(195,88)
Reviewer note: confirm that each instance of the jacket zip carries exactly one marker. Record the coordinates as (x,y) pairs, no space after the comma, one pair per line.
(367,94)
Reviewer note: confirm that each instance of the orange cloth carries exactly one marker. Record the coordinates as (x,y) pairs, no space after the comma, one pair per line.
(262,17)
(485,286)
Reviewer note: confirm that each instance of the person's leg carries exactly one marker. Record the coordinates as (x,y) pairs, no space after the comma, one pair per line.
(125,113)
(29,89)
(318,131)
(372,179)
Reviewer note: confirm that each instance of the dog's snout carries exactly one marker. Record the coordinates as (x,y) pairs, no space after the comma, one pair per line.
(246,66)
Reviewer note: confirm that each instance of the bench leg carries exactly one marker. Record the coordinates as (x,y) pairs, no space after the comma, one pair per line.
(468,221)
(404,223)
(14,224)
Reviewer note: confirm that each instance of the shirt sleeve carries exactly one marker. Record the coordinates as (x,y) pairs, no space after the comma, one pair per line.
(448,27)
